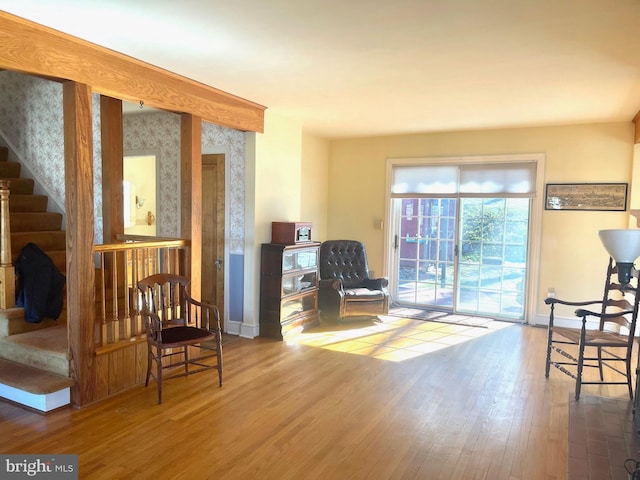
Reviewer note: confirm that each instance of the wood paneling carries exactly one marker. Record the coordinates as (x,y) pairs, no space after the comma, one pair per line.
(120,369)
(78,164)
(34,49)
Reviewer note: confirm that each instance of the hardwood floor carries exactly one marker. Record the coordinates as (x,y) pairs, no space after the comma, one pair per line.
(464,403)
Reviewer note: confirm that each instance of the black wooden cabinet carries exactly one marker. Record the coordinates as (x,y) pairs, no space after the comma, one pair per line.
(288,288)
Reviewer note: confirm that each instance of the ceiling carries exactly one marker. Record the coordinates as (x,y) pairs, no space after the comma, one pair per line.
(377,67)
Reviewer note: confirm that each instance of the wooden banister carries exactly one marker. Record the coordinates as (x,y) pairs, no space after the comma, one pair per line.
(120,266)
(7,271)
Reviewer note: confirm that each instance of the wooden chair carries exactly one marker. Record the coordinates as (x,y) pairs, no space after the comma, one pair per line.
(176,323)
(610,344)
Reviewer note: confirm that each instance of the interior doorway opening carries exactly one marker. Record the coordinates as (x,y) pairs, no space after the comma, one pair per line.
(139,194)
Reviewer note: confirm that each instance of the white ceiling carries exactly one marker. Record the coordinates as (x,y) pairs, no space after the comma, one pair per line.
(371,67)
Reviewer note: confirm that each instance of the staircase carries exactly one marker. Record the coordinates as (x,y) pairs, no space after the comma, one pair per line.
(34,358)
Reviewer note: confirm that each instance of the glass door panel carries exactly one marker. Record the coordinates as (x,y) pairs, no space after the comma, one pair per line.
(426,245)
(493,253)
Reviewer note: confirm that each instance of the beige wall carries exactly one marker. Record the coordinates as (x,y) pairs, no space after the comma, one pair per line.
(286,180)
(315,184)
(572,258)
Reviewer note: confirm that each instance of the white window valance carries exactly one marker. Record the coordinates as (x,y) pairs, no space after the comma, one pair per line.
(516,179)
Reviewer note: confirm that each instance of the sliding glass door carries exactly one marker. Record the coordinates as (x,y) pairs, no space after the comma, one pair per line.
(461,238)
(479,271)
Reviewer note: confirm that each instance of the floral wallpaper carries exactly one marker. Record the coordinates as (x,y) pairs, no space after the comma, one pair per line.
(160,131)
(31,124)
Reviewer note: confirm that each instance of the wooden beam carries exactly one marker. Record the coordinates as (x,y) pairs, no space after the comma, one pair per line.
(191,195)
(636,122)
(78,166)
(31,48)
(112,167)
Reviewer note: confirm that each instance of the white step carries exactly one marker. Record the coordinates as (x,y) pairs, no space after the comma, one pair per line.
(32,387)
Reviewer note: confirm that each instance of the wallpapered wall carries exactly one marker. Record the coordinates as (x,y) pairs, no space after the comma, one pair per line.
(160,131)
(31,125)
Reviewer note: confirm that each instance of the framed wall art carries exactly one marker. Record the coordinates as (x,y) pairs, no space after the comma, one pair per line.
(586,196)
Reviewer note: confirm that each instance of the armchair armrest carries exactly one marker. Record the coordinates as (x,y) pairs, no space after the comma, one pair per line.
(553,300)
(580,312)
(376,283)
(333,283)
(207,315)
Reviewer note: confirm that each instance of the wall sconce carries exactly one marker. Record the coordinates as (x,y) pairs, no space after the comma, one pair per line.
(624,247)
(139,202)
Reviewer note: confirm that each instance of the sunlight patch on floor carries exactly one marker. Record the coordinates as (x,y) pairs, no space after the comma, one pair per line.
(391,338)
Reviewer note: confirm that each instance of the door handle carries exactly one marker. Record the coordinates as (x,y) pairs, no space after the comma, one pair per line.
(219,263)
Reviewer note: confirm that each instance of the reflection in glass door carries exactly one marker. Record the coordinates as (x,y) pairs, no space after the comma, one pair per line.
(426,242)
(492,265)
(478,268)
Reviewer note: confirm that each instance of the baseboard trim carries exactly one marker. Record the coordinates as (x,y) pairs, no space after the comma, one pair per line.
(559,321)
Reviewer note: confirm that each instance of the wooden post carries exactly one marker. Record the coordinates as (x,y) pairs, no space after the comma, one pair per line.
(191,195)
(112,168)
(78,166)
(7,272)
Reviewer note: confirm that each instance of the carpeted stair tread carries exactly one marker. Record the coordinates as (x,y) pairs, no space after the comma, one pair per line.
(52,339)
(46,349)
(21,186)
(28,203)
(46,240)
(35,221)
(32,380)
(10,169)
(12,322)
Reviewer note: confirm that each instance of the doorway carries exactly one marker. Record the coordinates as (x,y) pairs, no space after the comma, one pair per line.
(213,221)
(139,194)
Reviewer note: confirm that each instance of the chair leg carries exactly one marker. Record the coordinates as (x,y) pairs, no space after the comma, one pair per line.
(186,360)
(549,344)
(600,364)
(629,378)
(219,357)
(579,373)
(149,361)
(159,375)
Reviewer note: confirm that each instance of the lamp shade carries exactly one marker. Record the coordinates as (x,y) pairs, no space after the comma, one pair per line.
(622,244)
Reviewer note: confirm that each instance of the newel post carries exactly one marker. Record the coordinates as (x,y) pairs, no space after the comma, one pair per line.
(7,272)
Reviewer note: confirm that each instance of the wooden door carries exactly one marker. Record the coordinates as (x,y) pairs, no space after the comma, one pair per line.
(213,231)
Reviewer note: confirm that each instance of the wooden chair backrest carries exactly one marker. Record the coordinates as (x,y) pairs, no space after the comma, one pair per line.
(618,300)
(165,296)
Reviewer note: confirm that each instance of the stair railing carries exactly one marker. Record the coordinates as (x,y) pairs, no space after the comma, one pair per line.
(7,271)
(120,266)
